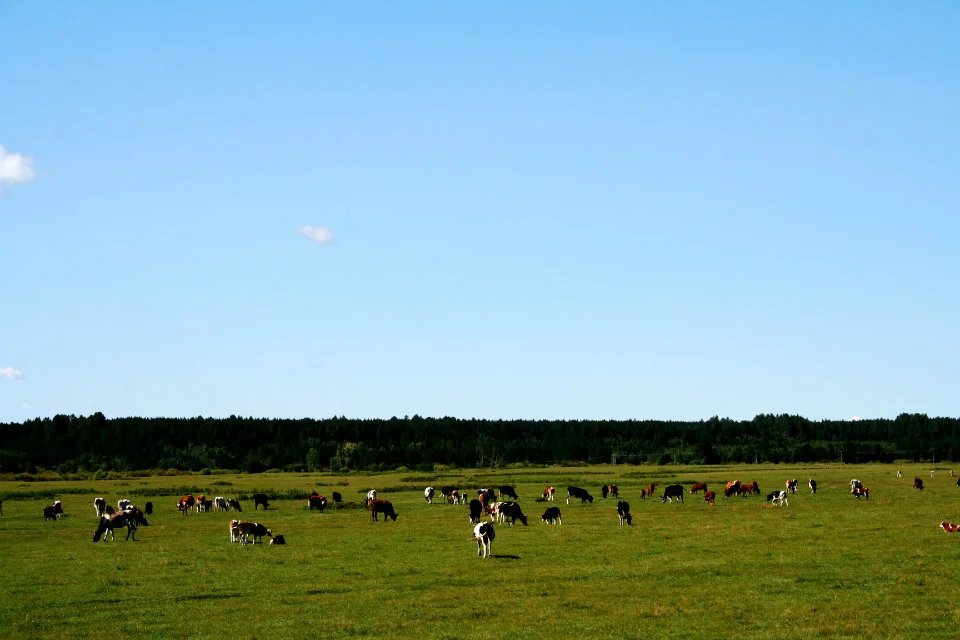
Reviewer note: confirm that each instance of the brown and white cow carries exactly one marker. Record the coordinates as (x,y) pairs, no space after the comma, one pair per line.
(185,504)
(950,527)
(130,518)
(732,488)
(316,501)
(548,494)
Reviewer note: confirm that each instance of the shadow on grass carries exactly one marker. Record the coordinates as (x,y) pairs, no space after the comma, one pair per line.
(500,557)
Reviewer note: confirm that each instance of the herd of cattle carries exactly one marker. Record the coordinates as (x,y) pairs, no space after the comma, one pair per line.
(489,502)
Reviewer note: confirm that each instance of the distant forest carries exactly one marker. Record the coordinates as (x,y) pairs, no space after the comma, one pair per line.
(94,443)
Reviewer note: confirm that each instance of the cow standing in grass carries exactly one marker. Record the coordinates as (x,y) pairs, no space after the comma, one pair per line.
(551,515)
(623,510)
(382,506)
(484,534)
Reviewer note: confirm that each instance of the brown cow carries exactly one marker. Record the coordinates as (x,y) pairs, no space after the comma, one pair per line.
(186,503)
(732,488)
(917,484)
(698,486)
(650,489)
(382,506)
(316,501)
(710,496)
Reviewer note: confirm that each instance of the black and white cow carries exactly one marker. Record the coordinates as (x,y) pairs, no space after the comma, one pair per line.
(428,495)
(484,534)
(551,515)
(249,532)
(812,484)
(672,491)
(623,510)
(778,498)
(99,505)
(123,504)
(220,504)
(53,511)
(577,492)
(510,511)
(792,485)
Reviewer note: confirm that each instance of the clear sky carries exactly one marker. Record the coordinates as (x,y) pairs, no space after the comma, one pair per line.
(667,210)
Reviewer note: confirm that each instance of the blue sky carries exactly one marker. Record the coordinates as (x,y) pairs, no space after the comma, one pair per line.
(554,210)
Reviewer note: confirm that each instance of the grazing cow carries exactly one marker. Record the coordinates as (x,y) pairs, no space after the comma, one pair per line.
(792,485)
(577,492)
(549,491)
(99,505)
(123,504)
(220,504)
(316,501)
(855,484)
(204,504)
(130,518)
(950,527)
(53,511)
(447,494)
(487,496)
(510,511)
(260,499)
(185,504)
(382,506)
(551,515)
(254,530)
(278,539)
(710,497)
(476,511)
(650,489)
(484,534)
(778,498)
(899,473)
(148,508)
(732,488)
(234,504)
(859,492)
(917,484)
(750,489)
(336,497)
(508,491)
(623,510)
(672,491)
(605,491)
(812,484)
(456,497)
(643,494)
(697,486)
(428,495)
(614,491)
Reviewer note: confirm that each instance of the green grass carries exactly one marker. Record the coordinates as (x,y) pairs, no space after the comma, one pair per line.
(826,566)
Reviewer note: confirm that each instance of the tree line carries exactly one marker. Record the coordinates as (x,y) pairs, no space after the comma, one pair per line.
(91,443)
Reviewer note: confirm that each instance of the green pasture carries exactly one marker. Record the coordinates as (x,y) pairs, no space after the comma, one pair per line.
(826,566)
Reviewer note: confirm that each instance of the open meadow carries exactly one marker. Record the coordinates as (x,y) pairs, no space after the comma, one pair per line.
(825,566)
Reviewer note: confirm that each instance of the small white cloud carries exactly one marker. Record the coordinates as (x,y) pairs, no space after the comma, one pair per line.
(321,235)
(10,373)
(855,419)
(15,168)
(26,405)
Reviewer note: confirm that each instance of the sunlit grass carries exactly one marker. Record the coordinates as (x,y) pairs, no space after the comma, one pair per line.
(826,566)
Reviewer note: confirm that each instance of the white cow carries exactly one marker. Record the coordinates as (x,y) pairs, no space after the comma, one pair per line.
(428,495)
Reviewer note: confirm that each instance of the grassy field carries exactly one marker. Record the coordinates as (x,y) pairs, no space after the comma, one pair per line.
(826,566)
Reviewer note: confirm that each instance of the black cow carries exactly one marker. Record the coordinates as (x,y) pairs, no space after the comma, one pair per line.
(336,497)
(512,511)
(235,505)
(507,490)
(260,499)
(671,492)
(148,509)
(278,539)
(551,515)
(476,511)
(487,496)
(623,510)
(577,492)
(605,491)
